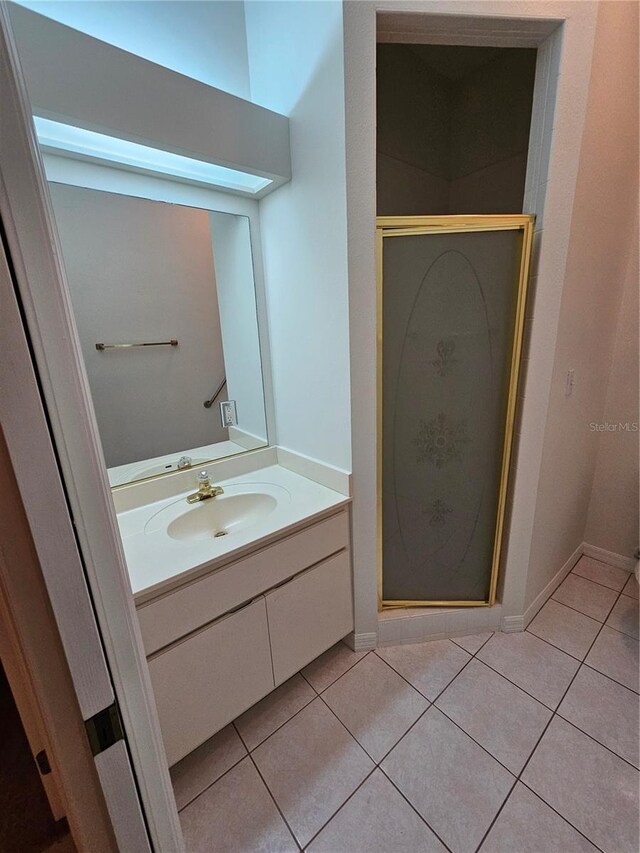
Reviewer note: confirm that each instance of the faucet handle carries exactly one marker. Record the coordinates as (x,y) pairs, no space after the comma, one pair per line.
(203,476)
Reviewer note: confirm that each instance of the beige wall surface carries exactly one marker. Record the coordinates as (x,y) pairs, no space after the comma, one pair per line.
(602,239)
(613,509)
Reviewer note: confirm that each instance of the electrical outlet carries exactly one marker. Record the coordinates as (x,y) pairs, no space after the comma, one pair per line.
(571,379)
(228,413)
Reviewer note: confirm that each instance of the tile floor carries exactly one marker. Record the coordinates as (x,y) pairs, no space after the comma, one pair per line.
(499,743)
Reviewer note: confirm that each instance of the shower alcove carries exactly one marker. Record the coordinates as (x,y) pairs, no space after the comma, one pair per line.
(454,238)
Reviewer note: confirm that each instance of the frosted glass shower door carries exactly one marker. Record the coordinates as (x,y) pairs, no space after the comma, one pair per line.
(452,293)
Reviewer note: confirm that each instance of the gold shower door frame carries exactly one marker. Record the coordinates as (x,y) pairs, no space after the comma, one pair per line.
(404,226)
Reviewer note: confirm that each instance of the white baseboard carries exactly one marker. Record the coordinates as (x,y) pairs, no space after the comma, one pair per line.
(416,625)
(313,469)
(628,564)
(512,624)
(550,588)
(361,642)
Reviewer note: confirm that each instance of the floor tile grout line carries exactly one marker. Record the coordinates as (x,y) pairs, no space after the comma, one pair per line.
(335,680)
(309,683)
(517,686)
(477,742)
(406,680)
(293,716)
(603,745)
(473,654)
(339,809)
(537,744)
(604,621)
(221,776)
(529,696)
(497,671)
(431,701)
(602,624)
(429,706)
(266,738)
(378,764)
(624,633)
(253,761)
(434,704)
(575,609)
(568,606)
(410,804)
(249,751)
(350,733)
(553,809)
(573,657)
(553,645)
(275,802)
(606,675)
(585,578)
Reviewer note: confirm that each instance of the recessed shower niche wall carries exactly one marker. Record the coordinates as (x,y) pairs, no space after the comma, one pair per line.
(452,128)
(454,246)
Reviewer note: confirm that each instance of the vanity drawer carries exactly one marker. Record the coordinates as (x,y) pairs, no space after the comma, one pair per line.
(309,614)
(204,682)
(166,619)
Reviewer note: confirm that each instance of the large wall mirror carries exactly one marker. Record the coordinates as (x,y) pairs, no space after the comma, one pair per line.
(164,301)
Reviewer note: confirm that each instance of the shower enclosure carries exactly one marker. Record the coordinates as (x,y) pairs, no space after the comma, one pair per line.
(451,297)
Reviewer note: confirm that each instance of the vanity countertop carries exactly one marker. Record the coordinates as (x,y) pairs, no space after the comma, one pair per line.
(157,562)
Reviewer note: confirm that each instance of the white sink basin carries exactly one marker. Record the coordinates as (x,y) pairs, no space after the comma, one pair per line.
(214,518)
(167,540)
(220,516)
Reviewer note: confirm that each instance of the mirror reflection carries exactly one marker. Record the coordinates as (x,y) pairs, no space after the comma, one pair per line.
(164,301)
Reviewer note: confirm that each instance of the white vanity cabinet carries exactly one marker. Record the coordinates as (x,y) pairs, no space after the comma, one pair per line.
(201,682)
(308,614)
(219,643)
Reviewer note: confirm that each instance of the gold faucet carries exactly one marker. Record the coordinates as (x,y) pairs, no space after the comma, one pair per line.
(205,489)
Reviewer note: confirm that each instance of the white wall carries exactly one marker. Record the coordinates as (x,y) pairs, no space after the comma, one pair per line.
(204,40)
(296,68)
(143,271)
(239,323)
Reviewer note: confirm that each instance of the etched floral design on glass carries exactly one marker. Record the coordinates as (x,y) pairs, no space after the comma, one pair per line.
(438,512)
(440,440)
(445,360)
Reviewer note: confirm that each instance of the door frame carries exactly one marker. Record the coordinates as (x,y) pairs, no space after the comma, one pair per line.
(400,226)
(38,674)
(61,475)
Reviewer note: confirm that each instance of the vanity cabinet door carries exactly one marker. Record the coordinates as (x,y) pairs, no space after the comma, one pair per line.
(309,614)
(208,679)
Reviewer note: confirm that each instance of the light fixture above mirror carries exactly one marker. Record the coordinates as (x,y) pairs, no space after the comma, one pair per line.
(67,140)
(168,125)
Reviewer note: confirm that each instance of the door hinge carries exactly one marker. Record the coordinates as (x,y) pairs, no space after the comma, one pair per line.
(104,729)
(42,760)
